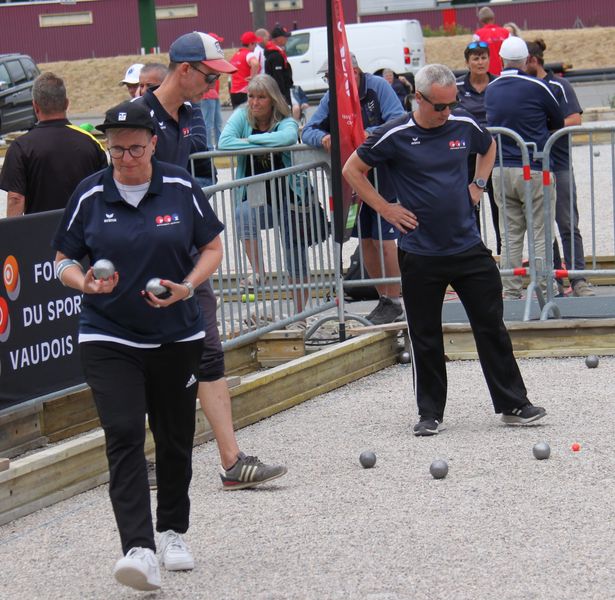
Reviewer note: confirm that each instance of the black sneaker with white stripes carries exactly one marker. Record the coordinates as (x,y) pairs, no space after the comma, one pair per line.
(427,426)
(249,472)
(528,413)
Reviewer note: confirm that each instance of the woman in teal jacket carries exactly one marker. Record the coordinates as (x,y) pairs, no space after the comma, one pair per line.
(265,122)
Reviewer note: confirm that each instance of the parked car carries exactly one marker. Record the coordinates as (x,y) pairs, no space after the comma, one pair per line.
(396,45)
(17,75)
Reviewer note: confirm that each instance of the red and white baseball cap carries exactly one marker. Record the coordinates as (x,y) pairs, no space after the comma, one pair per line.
(200,47)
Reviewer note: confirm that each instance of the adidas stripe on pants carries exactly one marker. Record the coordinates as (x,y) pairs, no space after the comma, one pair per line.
(128,383)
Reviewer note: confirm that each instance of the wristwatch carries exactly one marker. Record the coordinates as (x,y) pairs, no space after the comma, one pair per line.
(190,290)
(480,183)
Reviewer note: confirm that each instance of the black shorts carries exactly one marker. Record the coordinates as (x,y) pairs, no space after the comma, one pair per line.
(211,365)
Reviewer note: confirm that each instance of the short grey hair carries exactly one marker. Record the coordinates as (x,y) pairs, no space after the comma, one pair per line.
(387,71)
(514,64)
(49,93)
(158,68)
(268,85)
(430,74)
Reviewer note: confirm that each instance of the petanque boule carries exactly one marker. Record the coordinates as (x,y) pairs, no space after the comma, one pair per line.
(596,152)
(591,362)
(438,469)
(404,357)
(367,459)
(541,451)
(103,269)
(157,289)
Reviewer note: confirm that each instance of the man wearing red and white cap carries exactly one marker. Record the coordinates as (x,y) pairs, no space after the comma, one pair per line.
(247,66)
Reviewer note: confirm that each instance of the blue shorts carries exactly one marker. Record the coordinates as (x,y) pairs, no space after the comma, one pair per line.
(372,227)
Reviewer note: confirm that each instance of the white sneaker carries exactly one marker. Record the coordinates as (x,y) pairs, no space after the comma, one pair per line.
(138,569)
(175,554)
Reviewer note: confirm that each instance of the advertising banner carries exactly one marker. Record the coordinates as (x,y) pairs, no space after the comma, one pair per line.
(38,315)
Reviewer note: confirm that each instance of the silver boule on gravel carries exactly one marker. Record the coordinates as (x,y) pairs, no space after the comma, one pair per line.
(367,459)
(438,469)
(404,357)
(103,269)
(156,288)
(541,451)
(591,362)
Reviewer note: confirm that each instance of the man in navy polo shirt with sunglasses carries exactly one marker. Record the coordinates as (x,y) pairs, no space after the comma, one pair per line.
(426,154)
(196,62)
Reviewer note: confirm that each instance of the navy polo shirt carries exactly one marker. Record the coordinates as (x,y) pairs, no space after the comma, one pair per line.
(429,170)
(155,239)
(472,100)
(526,105)
(564,92)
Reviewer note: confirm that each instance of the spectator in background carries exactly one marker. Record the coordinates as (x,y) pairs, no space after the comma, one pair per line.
(150,77)
(471,91)
(512,28)
(259,49)
(379,104)
(401,86)
(566,211)
(212,110)
(42,168)
(246,65)
(526,105)
(494,35)
(131,79)
(276,61)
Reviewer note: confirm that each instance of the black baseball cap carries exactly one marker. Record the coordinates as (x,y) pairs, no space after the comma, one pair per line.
(128,115)
(279,31)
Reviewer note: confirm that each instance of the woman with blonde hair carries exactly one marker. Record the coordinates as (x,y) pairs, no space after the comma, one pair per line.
(265,122)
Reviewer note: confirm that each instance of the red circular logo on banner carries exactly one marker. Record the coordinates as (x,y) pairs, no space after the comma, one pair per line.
(5,321)
(10,275)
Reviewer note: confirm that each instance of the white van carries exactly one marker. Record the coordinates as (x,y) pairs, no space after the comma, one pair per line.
(396,45)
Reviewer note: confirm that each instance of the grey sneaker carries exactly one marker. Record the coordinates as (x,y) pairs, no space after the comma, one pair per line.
(138,569)
(249,472)
(427,426)
(387,311)
(151,474)
(581,288)
(524,415)
(174,552)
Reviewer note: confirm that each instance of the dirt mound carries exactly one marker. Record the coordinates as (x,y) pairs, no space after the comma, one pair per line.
(93,83)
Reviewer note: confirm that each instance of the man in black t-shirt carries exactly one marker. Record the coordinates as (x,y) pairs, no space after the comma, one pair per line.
(426,154)
(43,167)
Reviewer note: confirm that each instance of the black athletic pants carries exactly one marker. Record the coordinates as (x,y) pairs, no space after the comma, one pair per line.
(474,275)
(127,383)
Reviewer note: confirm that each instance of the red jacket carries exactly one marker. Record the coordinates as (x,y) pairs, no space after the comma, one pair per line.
(494,35)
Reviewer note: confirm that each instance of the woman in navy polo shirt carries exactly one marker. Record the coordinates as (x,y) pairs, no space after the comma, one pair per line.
(140,353)
(471,91)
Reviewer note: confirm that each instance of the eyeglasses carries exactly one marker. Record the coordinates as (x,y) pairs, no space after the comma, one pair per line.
(474,45)
(441,106)
(136,151)
(209,77)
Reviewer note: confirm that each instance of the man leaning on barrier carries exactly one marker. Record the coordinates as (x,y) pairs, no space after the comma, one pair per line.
(526,105)
(426,154)
(379,104)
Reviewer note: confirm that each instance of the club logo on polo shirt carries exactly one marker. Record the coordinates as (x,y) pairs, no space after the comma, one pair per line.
(457,145)
(415,141)
(109,218)
(185,131)
(164,220)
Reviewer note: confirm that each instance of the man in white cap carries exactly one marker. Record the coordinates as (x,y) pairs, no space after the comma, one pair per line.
(131,79)
(526,105)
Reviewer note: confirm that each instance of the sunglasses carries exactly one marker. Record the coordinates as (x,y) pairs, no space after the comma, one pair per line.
(441,106)
(209,77)
(475,45)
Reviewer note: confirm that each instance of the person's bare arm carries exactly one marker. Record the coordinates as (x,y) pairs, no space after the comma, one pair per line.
(15,204)
(484,166)
(573,119)
(355,172)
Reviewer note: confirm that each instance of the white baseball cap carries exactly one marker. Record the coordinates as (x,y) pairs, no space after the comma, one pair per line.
(132,74)
(514,48)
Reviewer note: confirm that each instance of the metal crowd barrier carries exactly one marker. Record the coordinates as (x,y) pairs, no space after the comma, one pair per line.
(595,202)
(287,272)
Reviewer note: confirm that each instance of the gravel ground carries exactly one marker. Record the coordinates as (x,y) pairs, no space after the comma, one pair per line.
(501,525)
